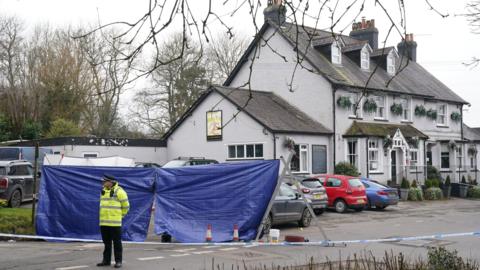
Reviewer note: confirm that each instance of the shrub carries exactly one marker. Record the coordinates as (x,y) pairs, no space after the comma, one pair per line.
(405,183)
(428,183)
(414,184)
(433,193)
(474,192)
(440,258)
(415,194)
(447,181)
(433,173)
(463,179)
(346,168)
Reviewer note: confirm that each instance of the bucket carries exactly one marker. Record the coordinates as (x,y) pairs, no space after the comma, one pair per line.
(274,235)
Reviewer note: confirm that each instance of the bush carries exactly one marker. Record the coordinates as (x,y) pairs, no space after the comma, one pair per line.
(441,259)
(433,173)
(3,203)
(415,194)
(433,193)
(447,181)
(463,179)
(474,192)
(346,168)
(405,183)
(428,183)
(414,184)
(16,220)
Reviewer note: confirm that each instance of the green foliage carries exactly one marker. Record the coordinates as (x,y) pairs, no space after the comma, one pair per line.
(414,184)
(456,116)
(440,258)
(369,105)
(405,183)
(447,181)
(415,194)
(432,183)
(433,173)
(420,110)
(31,130)
(62,128)
(433,193)
(3,203)
(463,179)
(344,102)
(474,192)
(396,109)
(16,220)
(346,168)
(5,128)
(432,114)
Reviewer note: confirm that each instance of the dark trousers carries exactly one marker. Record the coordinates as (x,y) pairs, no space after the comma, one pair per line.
(109,235)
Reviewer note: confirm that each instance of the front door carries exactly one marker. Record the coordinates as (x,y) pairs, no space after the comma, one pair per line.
(393,160)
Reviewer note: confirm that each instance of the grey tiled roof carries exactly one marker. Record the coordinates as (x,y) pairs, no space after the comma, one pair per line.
(272,111)
(413,79)
(471,134)
(362,129)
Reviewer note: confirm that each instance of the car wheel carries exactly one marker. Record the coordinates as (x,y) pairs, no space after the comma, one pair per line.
(340,206)
(15,199)
(267,225)
(318,211)
(306,218)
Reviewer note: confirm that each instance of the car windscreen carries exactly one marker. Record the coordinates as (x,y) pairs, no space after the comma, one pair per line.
(9,153)
(312,183)
(376,185)
(355,182)
(174,164)
(3,171)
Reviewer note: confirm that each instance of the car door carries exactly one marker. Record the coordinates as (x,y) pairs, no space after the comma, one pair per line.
(334,187)
(279,207)
(294,205)
(26,174)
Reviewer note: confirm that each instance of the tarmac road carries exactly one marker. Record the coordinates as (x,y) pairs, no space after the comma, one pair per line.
(407,219)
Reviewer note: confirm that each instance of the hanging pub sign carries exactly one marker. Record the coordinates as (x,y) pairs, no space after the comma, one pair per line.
(214,125)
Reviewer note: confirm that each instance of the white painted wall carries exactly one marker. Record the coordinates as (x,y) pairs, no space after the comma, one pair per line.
(311,92)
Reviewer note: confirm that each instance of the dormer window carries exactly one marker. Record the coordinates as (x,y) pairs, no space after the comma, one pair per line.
(365,58)
(336,53)
(391,63)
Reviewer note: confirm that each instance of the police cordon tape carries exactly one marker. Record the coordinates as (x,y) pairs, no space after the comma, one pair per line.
(255,243)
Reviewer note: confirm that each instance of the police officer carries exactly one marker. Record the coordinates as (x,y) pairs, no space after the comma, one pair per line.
(113,207)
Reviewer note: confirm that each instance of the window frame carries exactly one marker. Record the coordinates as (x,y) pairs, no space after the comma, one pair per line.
(378,160)
(255,145)
(444,115)
(354,155)
(356,98)
(442,147)
(302,148)
(459,156)
(391,63)
(365,59)
(336,53)
(414,163)
(406,108)
(377,98)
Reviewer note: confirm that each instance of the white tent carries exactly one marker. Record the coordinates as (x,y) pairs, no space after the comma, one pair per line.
(114,161)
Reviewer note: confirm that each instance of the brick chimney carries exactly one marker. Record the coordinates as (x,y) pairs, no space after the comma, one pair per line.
(408,47)
(365,30)
(275,12)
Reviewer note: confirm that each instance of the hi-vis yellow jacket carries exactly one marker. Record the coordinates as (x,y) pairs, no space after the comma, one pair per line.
(113,206)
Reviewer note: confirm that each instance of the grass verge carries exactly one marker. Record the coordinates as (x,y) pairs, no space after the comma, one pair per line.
(16,220)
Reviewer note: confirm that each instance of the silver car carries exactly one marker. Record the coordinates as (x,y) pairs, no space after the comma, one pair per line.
(315,194)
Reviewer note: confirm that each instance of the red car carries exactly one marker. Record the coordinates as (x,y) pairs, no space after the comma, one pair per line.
(344,192)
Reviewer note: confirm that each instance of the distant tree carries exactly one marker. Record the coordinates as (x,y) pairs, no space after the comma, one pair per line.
(31,130)
(473,17)
(5,129)
(63,128)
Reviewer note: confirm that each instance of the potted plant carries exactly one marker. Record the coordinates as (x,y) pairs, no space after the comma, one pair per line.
(420,111)
(396,109)
(447,188)
(344,102)
(404,188)
(463,188)
(370,105)
(432,114)
(456,116)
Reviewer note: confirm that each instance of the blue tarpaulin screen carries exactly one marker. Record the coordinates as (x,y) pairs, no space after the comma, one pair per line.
(188,199)
(70,200)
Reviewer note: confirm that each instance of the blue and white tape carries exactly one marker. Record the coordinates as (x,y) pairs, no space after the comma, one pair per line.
(313,243)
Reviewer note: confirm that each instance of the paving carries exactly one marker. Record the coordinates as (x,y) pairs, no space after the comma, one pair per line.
(406,219)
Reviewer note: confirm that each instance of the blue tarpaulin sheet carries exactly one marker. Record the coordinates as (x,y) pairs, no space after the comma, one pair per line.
(188,199)
(70,199)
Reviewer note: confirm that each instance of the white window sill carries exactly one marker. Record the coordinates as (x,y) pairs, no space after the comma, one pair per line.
(406,121)
(380,119)
(445,170)
(375,172)
(303,172)
(442,126)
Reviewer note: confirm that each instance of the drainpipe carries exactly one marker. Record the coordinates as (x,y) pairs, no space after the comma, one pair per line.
(425,169)
(366,148)
(274,146)
(334,106)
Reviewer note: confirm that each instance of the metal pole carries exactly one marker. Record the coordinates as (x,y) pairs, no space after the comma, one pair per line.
(35,175)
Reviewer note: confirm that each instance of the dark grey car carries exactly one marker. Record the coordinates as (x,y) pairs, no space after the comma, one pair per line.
(288,206)
(16,181)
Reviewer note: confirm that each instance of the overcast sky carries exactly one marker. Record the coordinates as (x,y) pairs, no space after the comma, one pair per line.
(444,44)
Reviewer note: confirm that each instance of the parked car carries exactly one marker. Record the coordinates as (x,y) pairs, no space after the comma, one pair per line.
(344,192)
(378,195)
(188,161)
(315,193)
(288,206)
(16,181)
(147,165)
